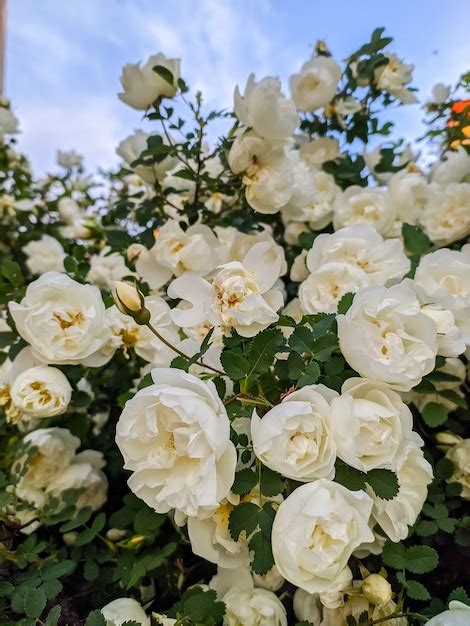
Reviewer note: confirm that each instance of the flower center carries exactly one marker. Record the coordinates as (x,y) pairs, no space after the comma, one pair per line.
(72,318)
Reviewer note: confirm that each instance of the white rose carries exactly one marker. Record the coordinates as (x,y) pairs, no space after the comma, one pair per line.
(414,475)
(69,159)
(85,476)
(317,151)
(177,252)
(376,420)
(51,450)
(292,231)
(460,457)
(258,607)
(442,279)
(446,218)
(106,268)
(361,246)
(41,392)
(393,77)
(450,342)
(240,296)
(315,531)
(409,194)
(364,205)
(63,321)
(457,615)
(124,610)
(384,336)
(294,439)
(264,109)
(8,122)
(316,84)
(142,86)
(211,539)
(44,255)
(324,287)
(440,93)
(174,437)
(454,168)
(130,150)
(307,606)
(317,209)
(69,210)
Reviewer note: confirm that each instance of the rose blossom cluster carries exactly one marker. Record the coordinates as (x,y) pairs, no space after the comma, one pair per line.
(165,309)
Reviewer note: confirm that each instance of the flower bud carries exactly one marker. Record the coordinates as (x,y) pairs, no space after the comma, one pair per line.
(115,534)
(376,589)
(70,538)
(448,438)
(130,301)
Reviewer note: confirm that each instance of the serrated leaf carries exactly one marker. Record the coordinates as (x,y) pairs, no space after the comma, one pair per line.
(243,517)
(245,480)
(345,303)
(263,348)
(53,616)
(95,618)
(460,595)
(434,414)
(417,590)
(425,528)
(421,559)
(415,240)
(272,483)
(234,363)
(444,468)
(34,602)
(394,555)
(384,483)
(262,559)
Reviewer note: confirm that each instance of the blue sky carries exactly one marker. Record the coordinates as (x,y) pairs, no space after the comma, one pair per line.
(64,57)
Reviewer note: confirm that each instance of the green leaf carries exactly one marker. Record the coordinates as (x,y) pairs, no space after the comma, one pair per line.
(243,517)
(245,480)
(426,528)
(384,483)
(147,521)
(421,559)
(34,602)
(53,616)
(394,555)
(263,348)
(234,364)
(12,272)
(434,414)
(345,303)
(164,73)
(95,618)
(272,483)
(416,241)
(417,590)
(90,533)
(81,518)
(459,594)
(262,560)
(444,468)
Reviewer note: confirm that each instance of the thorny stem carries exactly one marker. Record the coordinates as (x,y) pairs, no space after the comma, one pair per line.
(180,352)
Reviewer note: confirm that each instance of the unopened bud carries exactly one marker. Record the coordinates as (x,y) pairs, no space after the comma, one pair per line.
(130,301)
(448,438)
(134,542)
(376,589)
(70,538)
(115,534)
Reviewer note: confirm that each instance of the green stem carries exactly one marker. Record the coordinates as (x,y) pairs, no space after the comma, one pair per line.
(417,616)
(180,352)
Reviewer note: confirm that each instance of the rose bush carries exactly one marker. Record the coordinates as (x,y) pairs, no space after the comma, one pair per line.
(234,377)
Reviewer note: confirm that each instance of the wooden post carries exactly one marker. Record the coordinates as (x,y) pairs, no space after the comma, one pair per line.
(3,29)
